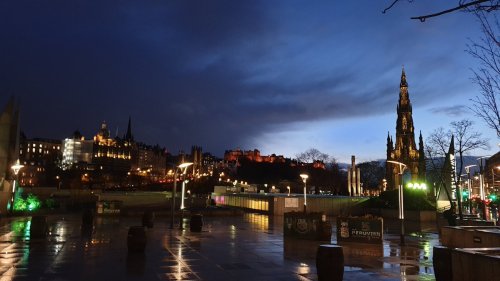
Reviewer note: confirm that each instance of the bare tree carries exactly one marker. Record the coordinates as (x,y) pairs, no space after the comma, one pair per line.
(462,5)
(487,77)
(436,147)
(313,154)
(465,140)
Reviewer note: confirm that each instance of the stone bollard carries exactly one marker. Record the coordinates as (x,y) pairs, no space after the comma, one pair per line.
(148,219)
(136,239)
(38,228)
(87,219)
(442,263)
(196,223)
(330,263)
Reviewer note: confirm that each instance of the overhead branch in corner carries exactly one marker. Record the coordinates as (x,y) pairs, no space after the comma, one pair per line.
(478,5)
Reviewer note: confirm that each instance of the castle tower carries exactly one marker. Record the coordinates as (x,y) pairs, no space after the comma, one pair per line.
(404,149)
(197,158)
(128,135)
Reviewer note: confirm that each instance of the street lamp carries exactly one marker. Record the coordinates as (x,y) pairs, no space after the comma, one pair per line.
(493,177)
(481,177)
(288,187)
(15,168)
(304,179)
(183,167)
(469,186)
(184,182)
(402,168)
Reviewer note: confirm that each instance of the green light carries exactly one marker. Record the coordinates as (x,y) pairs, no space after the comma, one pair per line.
(493,197)
(417,186)
(31,203)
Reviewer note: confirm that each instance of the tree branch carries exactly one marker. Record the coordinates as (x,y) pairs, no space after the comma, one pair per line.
(388,8)
(459,7)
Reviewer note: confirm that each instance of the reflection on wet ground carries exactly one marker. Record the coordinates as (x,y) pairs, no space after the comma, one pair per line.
(229,248)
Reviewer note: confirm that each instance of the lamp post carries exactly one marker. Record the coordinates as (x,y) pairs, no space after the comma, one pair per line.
(402,168)
(493,177)
(15,168)
(183,167)
(481,177)
(469,186)
(304,179)
(288,187)
(184,182)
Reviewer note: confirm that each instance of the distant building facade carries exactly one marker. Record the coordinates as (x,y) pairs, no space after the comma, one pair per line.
(404,149)
(149,161)
(111,154)
(41,159)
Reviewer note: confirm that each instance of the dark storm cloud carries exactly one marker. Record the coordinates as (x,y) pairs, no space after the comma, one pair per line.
(211,73)
(452,111)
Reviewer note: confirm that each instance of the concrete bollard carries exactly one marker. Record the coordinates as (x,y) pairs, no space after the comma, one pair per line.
(148,219)
(38,228)
(136,239)
(330,263)
(87,219)
(442,263)
(196,223)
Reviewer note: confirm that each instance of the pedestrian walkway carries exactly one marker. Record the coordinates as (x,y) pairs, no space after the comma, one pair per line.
(248,247)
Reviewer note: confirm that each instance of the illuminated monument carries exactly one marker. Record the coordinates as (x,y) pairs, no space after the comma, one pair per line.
(404,149)
(354,179)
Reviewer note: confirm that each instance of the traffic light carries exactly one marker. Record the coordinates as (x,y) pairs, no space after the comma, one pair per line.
(465,194)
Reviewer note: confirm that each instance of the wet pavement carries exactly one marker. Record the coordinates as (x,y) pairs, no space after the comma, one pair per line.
(247,247)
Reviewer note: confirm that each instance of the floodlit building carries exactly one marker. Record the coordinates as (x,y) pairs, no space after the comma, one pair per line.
(111,154)
(76,150)
(252,155)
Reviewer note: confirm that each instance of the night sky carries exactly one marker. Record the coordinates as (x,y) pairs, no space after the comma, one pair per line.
(279,76)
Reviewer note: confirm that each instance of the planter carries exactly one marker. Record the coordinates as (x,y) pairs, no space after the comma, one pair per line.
(360,229)
(442,263)
(311,226)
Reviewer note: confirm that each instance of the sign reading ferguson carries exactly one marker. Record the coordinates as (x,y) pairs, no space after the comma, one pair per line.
(358,229)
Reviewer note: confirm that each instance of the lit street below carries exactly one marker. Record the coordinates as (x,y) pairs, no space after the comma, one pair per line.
(247,247)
